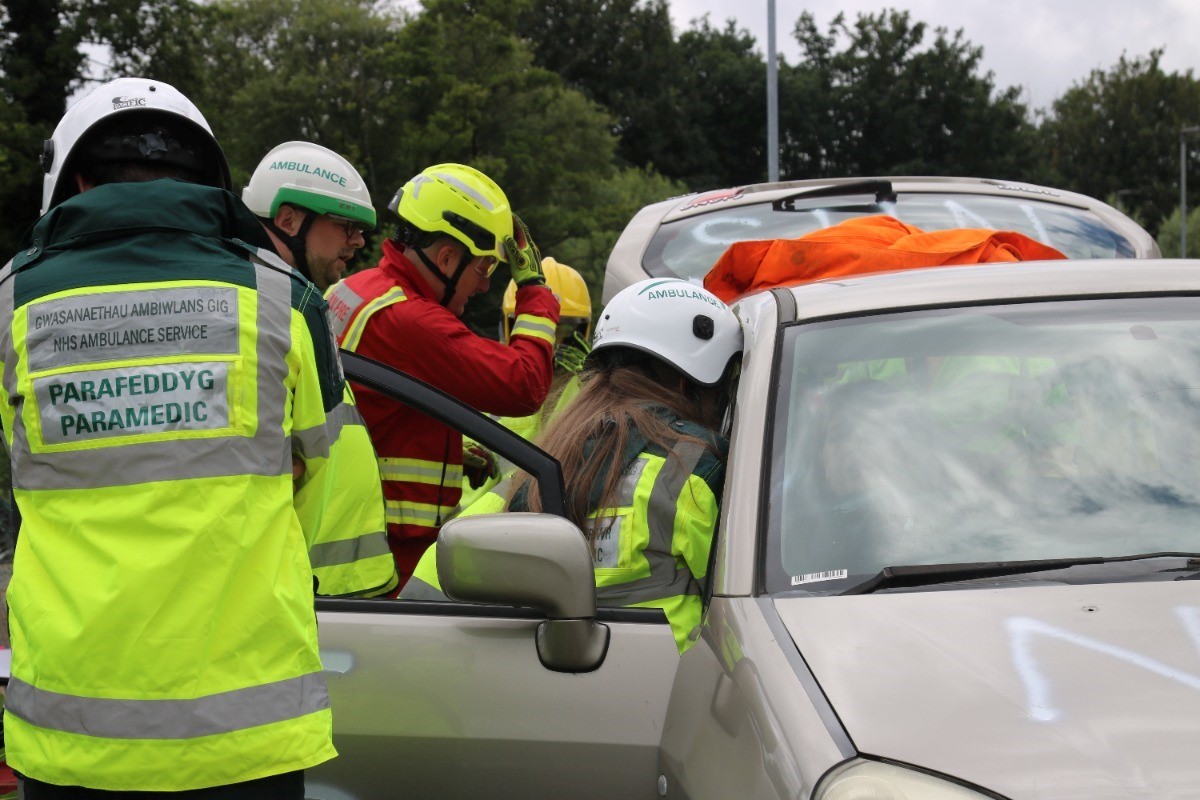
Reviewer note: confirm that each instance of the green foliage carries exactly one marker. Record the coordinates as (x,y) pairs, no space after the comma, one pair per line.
(886,104)
(1168,234)
(618,199)
(1119,130)
(40,64)
(723,102)
(20,176)
(622,55)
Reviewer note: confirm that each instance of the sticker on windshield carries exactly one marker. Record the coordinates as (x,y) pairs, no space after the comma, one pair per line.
(816,577)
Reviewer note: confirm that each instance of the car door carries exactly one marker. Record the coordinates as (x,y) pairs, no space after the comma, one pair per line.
(451,700)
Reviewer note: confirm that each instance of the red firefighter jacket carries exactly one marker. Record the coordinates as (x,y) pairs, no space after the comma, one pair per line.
(392,314)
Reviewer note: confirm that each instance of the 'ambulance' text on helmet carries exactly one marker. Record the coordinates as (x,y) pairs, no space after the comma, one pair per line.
(679,323)
(309,176)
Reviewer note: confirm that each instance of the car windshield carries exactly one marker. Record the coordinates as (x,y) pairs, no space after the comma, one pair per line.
(1000,433)
(688,248)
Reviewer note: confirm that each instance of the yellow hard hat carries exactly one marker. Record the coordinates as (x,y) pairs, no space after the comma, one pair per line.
(575,303)
(459,201)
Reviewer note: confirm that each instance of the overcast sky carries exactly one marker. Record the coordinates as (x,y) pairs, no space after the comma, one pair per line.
(1041,46)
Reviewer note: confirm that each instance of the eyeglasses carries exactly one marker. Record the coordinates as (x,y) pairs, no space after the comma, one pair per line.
(489,265)
(350,227)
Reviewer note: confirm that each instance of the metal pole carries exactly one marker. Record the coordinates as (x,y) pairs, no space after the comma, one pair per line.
(772,98)
(1183,193)
(1183,134)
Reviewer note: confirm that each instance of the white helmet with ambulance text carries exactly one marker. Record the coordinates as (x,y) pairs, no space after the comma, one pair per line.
(130,120)
(309,176)
(678,322)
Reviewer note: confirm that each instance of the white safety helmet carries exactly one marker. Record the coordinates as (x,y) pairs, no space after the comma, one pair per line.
(678,322)
(105,126)
(309,176)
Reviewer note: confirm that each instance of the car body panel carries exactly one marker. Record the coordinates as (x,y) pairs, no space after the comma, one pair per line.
(1032,691)
(735,555)
(746,718)
(779,691)
(432,705)
(981,284)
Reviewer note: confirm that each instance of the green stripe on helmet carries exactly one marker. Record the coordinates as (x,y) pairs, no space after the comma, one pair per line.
(323,204)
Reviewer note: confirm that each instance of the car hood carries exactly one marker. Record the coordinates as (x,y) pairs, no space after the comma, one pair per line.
(1048,691)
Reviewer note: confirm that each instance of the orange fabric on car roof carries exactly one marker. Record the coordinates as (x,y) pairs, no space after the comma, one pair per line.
(858,246)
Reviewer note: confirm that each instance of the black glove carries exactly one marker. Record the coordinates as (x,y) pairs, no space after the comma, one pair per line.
(524,258)
(479,465)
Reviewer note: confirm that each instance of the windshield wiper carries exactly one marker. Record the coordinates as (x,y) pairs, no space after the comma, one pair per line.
(880,188)
(933,574)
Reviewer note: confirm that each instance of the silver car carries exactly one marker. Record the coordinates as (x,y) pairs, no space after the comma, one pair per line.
(959,503)
(683,237)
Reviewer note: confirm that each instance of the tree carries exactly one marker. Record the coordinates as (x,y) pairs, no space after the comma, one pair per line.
(1119,130)
(616,200)
(622,55)
(886,104)
(40,65)
(723,103)
(1169,234)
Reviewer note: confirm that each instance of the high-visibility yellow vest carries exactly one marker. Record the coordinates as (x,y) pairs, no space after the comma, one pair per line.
(650,549)
(349,554)
(156,377)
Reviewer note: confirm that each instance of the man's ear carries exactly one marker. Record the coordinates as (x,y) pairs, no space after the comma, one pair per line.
(446,256)
(288,219)
(82,184)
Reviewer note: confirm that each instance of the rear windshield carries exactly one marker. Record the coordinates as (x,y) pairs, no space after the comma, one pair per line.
(1002,433)
(688,248)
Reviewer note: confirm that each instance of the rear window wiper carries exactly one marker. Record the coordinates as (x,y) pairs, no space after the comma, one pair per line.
(880,188)
(933,574)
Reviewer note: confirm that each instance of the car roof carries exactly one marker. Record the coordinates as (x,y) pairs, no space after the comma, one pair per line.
(976,284)
(625,262)
(697,203)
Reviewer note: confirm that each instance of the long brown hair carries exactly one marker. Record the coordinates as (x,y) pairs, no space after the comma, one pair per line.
(615,399)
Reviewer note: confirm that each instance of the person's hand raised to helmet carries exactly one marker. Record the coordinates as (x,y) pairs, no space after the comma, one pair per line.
(524,258)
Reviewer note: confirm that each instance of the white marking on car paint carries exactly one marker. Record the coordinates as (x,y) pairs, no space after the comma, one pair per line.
(1023,630)
(704,232)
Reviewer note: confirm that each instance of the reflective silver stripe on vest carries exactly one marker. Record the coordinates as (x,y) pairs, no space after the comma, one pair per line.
(274,342)
(629,482)
(224,712)
(316,442)
(142,323)
(267,453)
(347,551)
(667,578)
(7,355)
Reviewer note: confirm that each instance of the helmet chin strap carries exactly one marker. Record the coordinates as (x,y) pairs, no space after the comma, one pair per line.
(451,282)
(297,244)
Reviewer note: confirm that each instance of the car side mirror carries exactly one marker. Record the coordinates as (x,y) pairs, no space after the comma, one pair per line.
(536,560)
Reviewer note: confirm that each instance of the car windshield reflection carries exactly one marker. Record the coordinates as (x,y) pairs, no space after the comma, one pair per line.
(1046,430)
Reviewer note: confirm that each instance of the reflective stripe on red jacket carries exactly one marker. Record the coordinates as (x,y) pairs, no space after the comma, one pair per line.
(392,314)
